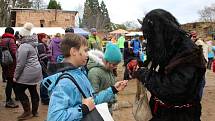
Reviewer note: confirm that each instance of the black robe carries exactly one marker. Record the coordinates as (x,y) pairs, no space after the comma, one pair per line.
(176,83)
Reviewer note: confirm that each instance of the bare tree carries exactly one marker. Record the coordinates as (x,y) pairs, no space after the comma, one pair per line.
(132,24)
(23,4)
(13,3)
(5,6)
(207,14)
(80,9)
(38,4)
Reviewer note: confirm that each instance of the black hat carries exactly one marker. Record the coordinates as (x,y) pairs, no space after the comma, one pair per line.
(9,30)
(69,30)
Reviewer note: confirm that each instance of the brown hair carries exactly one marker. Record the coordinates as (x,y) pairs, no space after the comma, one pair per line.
(41,36)
(72,40)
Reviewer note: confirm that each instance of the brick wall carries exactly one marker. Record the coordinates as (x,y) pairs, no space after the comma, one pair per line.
(203,29)
(49,18)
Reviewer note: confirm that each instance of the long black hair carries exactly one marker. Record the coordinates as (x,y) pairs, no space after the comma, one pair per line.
(163,33)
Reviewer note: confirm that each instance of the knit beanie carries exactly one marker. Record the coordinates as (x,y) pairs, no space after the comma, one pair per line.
(112,53)
(93,30)
(26,30)
(9,30)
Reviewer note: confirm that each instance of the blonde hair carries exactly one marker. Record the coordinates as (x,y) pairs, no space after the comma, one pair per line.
(58,35)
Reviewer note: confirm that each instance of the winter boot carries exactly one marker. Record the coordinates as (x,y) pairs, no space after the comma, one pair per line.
(27,111)
(11,104)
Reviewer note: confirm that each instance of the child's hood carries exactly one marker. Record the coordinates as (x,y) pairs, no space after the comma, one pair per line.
(95,59)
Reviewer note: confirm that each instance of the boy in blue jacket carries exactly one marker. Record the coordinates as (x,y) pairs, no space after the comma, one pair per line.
(66,102)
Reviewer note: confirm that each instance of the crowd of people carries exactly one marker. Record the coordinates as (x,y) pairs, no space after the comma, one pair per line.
(173,72)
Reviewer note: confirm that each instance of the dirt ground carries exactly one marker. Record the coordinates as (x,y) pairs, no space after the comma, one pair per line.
(123,114)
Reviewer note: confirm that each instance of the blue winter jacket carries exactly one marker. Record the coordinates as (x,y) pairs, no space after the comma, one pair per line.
(136,44)
(65,98)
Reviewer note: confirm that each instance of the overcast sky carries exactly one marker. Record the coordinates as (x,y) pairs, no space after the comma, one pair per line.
(127,10)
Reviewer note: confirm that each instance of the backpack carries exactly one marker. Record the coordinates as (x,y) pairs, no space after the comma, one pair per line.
(59,58)
(5,55)
(50,84)
(136,45)
(42,57)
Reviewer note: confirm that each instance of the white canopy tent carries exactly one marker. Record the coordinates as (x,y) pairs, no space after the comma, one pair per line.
(119,31)
(134,33)
(47,30)
(81,31)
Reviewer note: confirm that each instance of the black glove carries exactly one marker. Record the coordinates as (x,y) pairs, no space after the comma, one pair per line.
(141,74)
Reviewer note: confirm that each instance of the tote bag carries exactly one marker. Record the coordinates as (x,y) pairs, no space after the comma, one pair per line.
(141,109)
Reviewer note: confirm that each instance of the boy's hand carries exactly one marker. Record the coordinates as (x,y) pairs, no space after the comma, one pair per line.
(89,102)
(120,85)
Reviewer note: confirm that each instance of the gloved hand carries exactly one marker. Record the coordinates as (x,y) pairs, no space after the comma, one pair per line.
(141,74)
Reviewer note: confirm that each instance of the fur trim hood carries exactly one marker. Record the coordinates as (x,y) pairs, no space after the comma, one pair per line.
(95,59)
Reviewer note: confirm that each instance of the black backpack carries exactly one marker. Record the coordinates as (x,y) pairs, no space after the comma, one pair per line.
(43,57)
(5,55)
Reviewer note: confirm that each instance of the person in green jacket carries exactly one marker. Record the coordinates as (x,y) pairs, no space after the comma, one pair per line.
(120,43)
(94,42)
(101,66)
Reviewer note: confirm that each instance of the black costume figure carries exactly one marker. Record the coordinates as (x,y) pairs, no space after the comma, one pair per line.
(177,67)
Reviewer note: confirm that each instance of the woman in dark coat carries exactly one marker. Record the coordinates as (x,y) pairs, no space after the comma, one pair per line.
(177,67)
(44,57)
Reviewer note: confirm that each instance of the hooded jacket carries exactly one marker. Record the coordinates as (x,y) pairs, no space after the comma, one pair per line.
(55,48)
(99,76)
(9,70)
(28,69)
(65,98)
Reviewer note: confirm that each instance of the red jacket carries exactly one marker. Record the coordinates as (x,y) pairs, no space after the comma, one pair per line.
(8,71)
